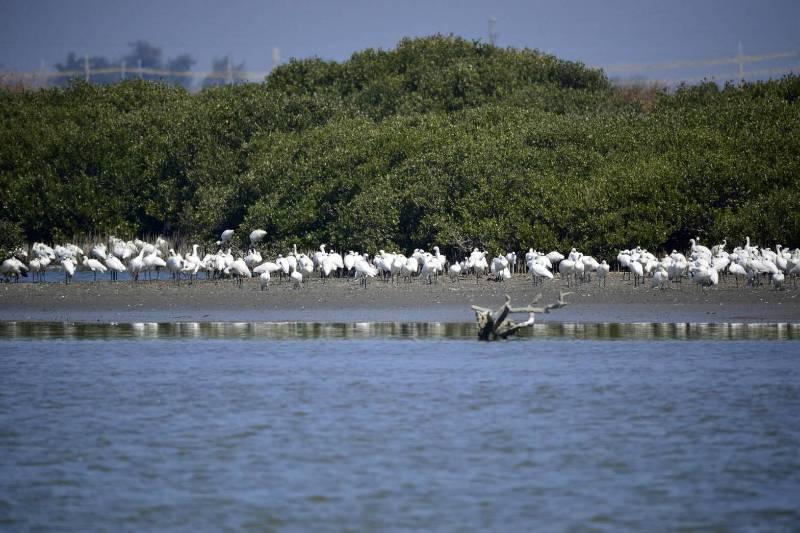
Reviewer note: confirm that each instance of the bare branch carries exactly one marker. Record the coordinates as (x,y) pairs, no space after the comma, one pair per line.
(492,326)
(527,309)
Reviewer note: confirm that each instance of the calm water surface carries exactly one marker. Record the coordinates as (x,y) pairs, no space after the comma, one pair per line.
(104,431)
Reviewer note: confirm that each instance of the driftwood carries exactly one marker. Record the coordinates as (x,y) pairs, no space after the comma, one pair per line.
(493,325)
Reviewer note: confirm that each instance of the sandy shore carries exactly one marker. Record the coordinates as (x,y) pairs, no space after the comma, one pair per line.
(344,301)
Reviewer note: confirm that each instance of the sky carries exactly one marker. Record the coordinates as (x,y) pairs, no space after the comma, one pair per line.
(600,33)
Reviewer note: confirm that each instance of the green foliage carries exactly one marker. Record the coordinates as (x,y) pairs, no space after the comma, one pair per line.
(441,141)
(11,238)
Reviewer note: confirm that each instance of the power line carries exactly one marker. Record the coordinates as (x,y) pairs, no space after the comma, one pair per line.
(228,75)
(730,76)
(739,59)
(214,74)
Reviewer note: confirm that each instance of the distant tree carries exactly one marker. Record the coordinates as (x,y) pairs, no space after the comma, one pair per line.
(74,67)
(149,55)
(181,64)
(225,71)
(142,54)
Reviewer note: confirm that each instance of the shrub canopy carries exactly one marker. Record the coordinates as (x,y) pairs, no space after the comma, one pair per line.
(438,141)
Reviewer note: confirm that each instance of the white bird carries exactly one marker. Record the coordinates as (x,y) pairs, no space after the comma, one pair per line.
(442,259)
(253,258)
(555,257)
(511,257)
(478,263)
(364,270)
(327,267)
(238,269)
(136,265)
(579,267)
(349,261)
(660,279)
(94,265)
(192,263)
(175,264)
(305,265)
(121,250)
(498,264)
(285,268)
(266,266)
(69,269)
(566,268)
(410,268)
(504,274)
(590,265)
(431,268)
(538,271)
(153,262)
(454,271)
(297,277)
(13,267)
(256,236)
(99,251)
(263,280)
(396,267)
(624,260)
(36,268)
(699,250)
(737,270)
(336,260)
(638,272)
(704,276)
(161,244)
(226,236)
(115,266)
(602,272)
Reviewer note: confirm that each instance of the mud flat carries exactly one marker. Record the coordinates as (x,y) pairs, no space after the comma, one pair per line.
(343,300)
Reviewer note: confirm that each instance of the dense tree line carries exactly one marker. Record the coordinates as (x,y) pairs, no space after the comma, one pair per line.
(438,141)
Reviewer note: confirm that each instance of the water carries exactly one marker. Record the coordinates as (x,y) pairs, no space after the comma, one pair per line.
(251,426)
(57,275)
(392,330)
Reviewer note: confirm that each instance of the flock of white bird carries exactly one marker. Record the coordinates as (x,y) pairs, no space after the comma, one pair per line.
(140,259)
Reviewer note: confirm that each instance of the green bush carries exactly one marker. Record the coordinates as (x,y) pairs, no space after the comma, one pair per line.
(11,238)
(440,141)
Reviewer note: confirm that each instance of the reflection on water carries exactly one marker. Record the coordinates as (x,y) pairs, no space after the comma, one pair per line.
(391,330)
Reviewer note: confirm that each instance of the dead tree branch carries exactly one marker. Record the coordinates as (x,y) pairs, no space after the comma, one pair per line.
(493,325)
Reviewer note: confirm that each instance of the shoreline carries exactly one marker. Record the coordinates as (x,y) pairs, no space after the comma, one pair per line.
(343,300)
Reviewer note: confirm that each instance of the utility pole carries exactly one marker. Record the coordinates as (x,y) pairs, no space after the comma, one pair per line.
(86,67)
(42,74)
(140,69)
(740,60)
(276,57)
(492,33)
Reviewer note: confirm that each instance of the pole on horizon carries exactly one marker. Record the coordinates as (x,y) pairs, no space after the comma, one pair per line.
(276,57)
(492,33)
(740,60)
(140,69)
(42,74)
(86,67)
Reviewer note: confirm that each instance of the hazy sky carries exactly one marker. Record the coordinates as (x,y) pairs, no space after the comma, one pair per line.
(600,33)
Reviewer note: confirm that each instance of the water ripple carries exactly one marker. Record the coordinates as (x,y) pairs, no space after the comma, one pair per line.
(392,330)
